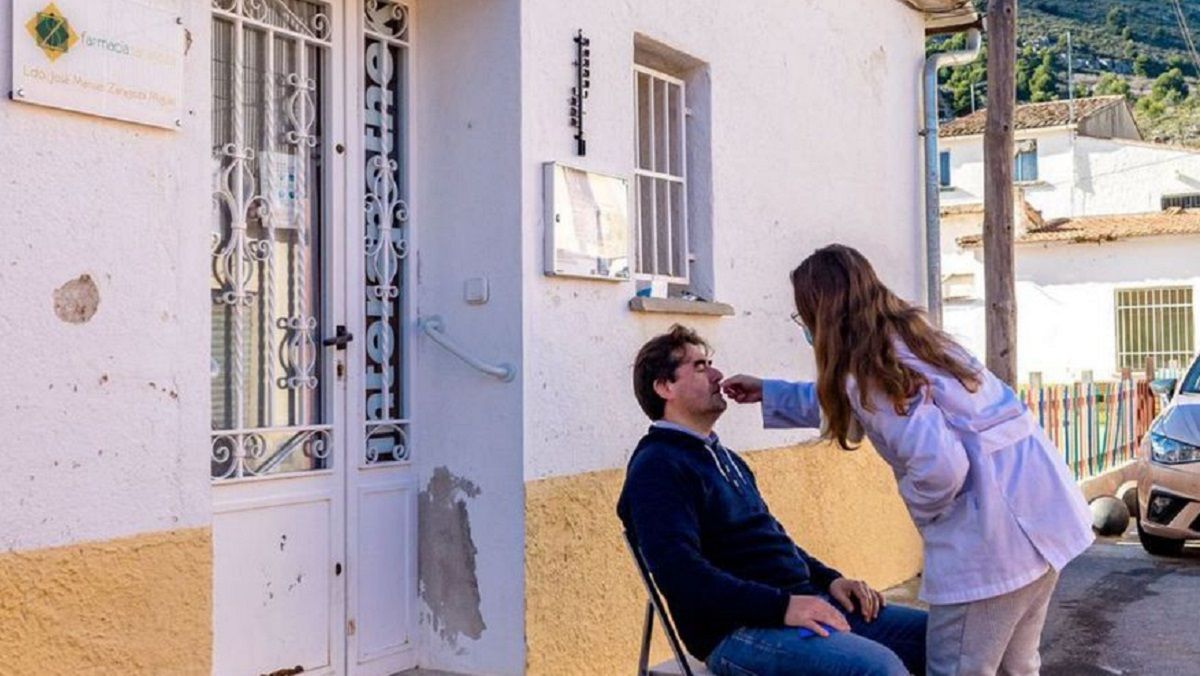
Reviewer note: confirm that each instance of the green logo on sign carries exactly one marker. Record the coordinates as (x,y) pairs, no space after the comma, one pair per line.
(52,32)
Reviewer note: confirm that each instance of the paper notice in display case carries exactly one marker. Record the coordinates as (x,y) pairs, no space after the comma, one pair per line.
(587,224)
(283,187)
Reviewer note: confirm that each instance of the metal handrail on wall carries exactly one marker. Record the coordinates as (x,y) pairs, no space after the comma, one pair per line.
(435,328)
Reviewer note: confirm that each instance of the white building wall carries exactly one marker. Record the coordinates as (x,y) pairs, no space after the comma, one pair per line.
(467,217)
(1050,193)
(1122,177)
(813,141)
(1066,300)
(1106,176)
(106,421)
(966,170)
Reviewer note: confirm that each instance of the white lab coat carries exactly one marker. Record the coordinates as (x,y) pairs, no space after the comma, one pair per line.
(986,488)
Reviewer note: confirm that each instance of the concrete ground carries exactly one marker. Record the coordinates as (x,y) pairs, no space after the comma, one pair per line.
(1118,610)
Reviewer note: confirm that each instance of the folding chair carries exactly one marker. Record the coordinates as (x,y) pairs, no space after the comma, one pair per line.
(683,664)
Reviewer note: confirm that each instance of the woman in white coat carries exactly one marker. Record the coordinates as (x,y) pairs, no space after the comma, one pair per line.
(998,512)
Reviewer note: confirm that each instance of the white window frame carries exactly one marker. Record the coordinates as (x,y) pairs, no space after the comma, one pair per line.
(640,173)
(1181,342)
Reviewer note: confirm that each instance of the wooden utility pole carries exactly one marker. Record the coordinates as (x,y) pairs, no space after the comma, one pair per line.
(999,270)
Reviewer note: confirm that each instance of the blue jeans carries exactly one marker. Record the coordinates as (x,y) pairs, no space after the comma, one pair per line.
(892,645)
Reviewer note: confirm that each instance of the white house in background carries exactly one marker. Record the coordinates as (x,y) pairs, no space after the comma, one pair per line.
(1095,293)
(1106,239)
(1081,159)
(238,434)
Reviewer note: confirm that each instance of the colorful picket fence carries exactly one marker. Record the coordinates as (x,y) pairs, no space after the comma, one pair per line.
(1095,425)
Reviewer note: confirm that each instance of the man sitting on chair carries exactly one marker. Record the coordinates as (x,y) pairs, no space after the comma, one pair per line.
(745,598)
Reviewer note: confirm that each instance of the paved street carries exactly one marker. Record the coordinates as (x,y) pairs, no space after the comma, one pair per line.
(1120,611)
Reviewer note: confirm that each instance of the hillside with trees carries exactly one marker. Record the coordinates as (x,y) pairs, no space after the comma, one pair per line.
(1135,48)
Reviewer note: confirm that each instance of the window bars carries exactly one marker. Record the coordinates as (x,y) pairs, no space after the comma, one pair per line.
(1154,322)
(269,86)
(1183,201)
(660,173)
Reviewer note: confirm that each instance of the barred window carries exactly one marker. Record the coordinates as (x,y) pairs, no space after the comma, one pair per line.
(1186,201)
(1154,322)
(662,243)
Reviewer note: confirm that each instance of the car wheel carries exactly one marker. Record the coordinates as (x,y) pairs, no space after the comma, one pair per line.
(1159,546)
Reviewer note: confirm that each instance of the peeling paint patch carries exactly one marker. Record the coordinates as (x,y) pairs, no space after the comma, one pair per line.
(76,301)
(449,584)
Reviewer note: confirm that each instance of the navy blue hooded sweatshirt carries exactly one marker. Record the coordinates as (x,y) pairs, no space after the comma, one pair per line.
(720,559)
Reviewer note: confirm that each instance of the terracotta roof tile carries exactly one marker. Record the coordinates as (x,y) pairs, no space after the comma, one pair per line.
(1106,228)
(1032,115)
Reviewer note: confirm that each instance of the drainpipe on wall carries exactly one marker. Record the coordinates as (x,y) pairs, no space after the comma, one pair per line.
(933,229)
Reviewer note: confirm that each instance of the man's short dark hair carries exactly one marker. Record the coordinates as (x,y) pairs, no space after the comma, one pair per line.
(657,360)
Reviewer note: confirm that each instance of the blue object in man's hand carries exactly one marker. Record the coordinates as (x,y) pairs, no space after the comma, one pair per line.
(805,632)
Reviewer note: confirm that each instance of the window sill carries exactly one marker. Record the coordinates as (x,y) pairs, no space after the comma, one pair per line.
(679,306)
(1031,184)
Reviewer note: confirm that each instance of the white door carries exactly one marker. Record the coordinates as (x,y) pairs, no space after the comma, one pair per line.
(314,512)
(381,483)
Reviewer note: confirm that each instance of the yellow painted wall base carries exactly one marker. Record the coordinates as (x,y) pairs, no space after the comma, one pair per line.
(137,605)
(583,600)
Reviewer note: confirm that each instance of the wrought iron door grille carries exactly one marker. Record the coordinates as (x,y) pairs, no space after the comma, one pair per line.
(385,228)
(269,87)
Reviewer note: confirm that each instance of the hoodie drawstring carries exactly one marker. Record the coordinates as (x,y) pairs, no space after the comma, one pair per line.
(716,450)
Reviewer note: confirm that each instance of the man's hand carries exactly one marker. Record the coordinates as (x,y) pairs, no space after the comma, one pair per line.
(743,389)
(846,592)
(811,612)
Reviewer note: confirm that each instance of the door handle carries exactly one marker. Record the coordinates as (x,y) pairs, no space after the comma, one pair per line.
(340,338)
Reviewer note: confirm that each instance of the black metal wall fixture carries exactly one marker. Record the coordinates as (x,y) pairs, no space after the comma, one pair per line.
(579,93)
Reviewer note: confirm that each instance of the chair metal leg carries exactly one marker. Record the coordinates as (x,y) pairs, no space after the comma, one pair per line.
(647,634)
(654,607)
(680,655)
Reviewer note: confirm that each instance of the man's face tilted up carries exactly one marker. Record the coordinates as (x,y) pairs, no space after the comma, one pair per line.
(695,394)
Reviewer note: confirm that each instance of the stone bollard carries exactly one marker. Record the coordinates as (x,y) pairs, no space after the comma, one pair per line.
(1109,515)
(1128,495)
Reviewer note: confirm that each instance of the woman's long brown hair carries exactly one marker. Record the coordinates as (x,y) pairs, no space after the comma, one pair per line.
(853,318)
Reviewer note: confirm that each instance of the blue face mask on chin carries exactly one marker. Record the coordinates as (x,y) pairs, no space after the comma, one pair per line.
(808,335)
